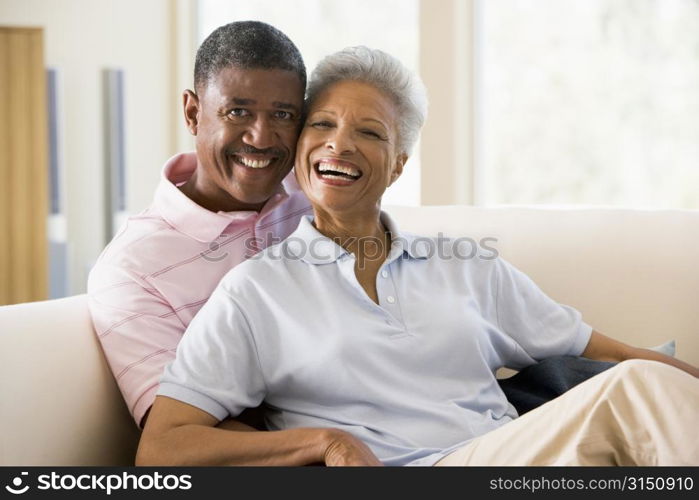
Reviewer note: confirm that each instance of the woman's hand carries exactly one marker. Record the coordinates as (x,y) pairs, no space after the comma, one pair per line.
(604,348)
(343,449)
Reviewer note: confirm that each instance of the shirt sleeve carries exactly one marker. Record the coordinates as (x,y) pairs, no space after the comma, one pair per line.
(138,330)
(217,367)
(540,326)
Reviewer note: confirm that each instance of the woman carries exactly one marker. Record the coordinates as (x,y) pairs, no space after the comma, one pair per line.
(367,348)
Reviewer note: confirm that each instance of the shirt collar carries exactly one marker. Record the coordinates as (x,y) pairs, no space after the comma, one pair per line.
(313,247)
(194,220)
(402,243)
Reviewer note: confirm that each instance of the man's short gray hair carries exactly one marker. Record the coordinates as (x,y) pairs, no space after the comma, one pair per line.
(387,74)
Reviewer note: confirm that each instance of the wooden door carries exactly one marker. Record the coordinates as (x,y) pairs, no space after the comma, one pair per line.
(23,166)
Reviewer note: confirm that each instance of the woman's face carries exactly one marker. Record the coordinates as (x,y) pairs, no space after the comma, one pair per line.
(346,156)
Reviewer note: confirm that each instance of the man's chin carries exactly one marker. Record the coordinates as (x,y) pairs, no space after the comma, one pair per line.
(251,199)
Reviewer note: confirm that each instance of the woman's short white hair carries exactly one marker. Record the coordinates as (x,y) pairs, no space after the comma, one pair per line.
(386,73)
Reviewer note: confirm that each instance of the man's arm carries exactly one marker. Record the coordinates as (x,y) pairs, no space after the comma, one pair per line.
(138,331)
(603,348)
(180,434)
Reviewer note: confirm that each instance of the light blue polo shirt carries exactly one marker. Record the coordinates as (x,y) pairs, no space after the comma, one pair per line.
(412,377)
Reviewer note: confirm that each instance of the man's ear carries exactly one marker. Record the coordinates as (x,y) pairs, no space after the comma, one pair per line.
(190,102)
(398,168)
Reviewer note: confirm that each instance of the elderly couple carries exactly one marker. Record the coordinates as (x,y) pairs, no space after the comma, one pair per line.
(354,355)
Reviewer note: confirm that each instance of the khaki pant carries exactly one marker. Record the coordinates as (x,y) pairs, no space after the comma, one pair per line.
(636,413)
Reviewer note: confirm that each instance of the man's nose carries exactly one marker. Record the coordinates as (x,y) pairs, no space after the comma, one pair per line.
(341,141)
(259,134)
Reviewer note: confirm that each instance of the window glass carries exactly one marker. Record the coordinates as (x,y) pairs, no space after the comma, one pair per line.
(588,102)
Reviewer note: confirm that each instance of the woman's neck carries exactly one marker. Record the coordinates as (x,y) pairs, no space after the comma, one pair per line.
(362,234)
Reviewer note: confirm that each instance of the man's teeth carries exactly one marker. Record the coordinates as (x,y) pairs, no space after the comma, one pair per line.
(254,163)
(343,169)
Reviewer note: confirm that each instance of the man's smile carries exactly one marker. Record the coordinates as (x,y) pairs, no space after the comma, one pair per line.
(253,162)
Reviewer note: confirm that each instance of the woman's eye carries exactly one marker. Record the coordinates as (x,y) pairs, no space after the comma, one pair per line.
(371,133)
(321,124)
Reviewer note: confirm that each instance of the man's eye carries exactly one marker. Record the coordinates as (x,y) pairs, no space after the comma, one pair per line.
(283,115)
(238,112)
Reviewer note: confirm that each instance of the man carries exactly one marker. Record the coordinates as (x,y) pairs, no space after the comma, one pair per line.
(211,210)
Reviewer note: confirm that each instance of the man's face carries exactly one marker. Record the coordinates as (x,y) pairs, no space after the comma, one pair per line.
(246,123)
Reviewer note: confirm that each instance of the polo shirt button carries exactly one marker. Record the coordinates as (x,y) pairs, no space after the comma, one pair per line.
(384,274)
(391,299)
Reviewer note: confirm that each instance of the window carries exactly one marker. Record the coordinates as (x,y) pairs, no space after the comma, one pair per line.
(588,102)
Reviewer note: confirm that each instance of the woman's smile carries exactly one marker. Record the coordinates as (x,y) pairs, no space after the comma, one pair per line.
(336,172)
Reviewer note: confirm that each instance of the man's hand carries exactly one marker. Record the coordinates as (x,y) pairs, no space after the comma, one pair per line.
(345,450)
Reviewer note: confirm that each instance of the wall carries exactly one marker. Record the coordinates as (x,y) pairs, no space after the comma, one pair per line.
(447,68)
(82,37)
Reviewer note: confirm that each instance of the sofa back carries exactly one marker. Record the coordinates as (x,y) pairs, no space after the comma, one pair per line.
(634,274)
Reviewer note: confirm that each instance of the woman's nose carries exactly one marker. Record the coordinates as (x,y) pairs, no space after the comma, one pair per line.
(341,142)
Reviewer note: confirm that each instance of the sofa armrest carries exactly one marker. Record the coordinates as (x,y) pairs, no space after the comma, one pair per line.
(60,403)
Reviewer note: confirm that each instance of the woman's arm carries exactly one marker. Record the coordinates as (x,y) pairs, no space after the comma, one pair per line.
(180,434)
(603,348)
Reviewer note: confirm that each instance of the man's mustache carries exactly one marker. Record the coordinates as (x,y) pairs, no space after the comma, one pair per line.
(251,150)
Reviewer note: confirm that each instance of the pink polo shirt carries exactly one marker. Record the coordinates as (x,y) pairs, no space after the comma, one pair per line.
(164,264)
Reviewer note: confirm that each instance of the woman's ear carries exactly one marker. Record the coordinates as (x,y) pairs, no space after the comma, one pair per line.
(398,167)
(190,102)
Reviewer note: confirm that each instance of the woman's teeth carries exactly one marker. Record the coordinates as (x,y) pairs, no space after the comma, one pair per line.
(334,170)
(254,163)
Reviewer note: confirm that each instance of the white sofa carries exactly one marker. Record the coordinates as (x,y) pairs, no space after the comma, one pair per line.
(633,274)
